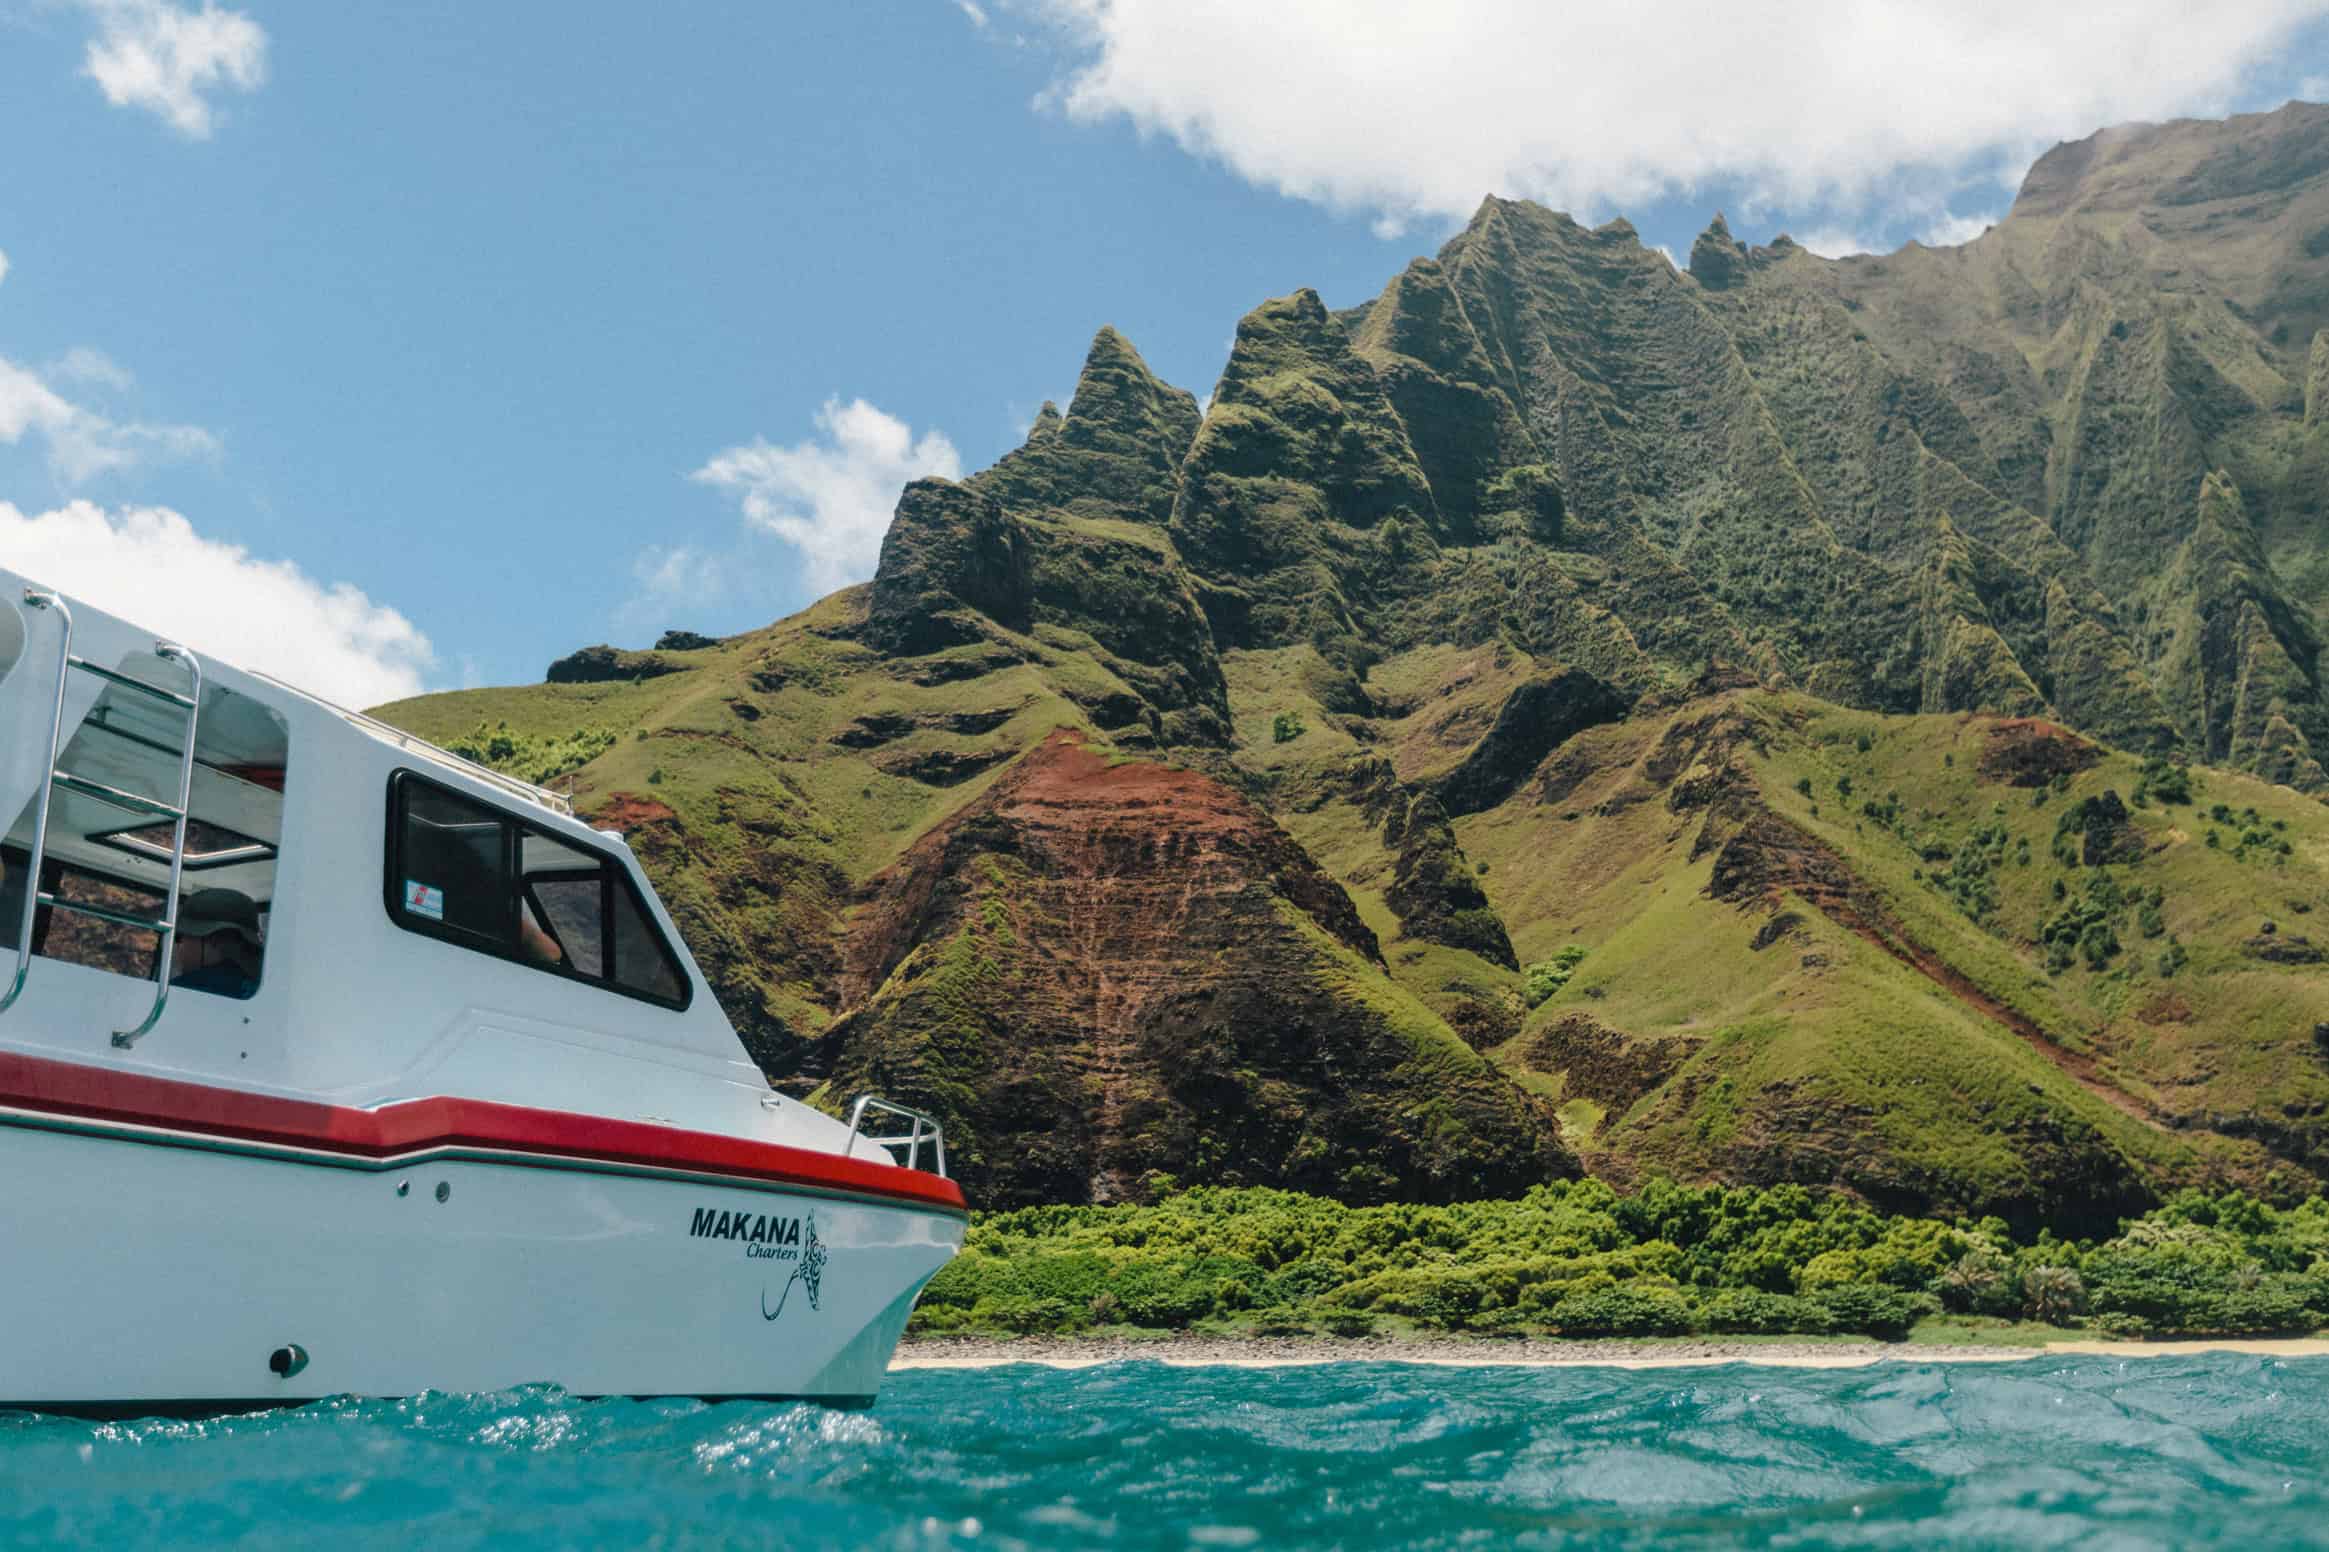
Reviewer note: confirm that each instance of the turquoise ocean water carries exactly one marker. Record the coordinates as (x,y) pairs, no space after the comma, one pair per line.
(2205,1450)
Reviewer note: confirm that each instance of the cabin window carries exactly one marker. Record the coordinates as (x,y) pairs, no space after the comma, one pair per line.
(470,873)
(100,853)
(643,966)
(573,911)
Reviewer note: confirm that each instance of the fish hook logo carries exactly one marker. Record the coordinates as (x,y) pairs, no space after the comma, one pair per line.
(808,1273)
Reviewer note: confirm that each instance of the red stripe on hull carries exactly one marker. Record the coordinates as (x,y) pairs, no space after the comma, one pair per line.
(139,1099)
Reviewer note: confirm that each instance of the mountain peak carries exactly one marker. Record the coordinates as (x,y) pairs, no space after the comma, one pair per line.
(1717,259)
(1116,452)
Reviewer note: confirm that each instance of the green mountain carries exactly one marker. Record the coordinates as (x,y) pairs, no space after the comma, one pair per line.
(1853,722)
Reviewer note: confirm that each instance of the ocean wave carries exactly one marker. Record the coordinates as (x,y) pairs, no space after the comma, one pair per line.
(2213,1449)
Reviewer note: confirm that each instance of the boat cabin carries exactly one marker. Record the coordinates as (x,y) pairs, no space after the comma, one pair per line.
(209,874)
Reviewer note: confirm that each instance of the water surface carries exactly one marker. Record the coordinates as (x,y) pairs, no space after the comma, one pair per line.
(2210,1449)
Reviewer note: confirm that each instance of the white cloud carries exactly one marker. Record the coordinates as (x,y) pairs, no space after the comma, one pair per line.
(83,444)
(1831,243)
(28,404)
(85,364)
(1401,110)
(675,586)
(164,57)
(970,8)
(682,574)
(1937,229)
(148,564)
(1955,231)
(831,498)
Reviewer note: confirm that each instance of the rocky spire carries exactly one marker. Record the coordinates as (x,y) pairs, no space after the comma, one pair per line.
(1118,450)
(1718,260)
(1464,428)
(2242,660)
(1312,410)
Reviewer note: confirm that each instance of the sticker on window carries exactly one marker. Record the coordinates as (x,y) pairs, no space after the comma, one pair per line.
(421,900)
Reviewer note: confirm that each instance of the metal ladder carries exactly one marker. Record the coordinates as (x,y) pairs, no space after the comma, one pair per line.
(34,896)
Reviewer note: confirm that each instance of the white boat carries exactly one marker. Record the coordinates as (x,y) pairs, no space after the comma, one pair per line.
(331,1063)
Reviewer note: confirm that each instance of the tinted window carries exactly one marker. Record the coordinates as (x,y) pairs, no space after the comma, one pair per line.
(573,911)
(642,963)
(470,873)
(454,864)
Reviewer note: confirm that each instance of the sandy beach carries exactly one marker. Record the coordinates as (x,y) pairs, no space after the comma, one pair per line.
(1276,1352)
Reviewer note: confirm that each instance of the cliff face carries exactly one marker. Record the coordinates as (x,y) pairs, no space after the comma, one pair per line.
(1100,970)
(1571,707)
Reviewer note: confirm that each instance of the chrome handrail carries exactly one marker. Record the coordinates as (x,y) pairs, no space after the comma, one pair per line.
(40,598)
(925,1129)
(170,651)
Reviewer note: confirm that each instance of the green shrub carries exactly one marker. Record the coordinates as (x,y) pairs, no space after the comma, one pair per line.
(1548,976)
(1623,1311)
(2098,943)
(1281,1320)
(2163,783)
(1750,1311)
(2186,1271)
(1885,1313)
(1287,726)
(1981,1282)
(531,757)
(1023,1316)
(1172,1295)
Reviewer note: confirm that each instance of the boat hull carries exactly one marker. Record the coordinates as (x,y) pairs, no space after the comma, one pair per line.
(149,1272)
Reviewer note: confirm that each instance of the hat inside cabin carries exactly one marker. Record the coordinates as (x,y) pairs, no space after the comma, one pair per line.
(208,911)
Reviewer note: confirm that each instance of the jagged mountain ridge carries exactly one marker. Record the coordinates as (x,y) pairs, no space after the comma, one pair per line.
(1558,596)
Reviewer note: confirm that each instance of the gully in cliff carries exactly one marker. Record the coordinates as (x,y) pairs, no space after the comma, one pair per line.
(331,1062)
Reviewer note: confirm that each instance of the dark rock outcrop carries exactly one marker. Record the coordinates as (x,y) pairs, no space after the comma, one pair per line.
(608,665)
(1434,890)
(1535,719)
(952,555)
(2028,752)
(1718,260)
(1598,1063)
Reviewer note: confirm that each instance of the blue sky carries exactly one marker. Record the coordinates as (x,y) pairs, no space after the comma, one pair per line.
(438,339)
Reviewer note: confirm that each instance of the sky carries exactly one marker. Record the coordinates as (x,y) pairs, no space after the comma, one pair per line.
(403,348)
